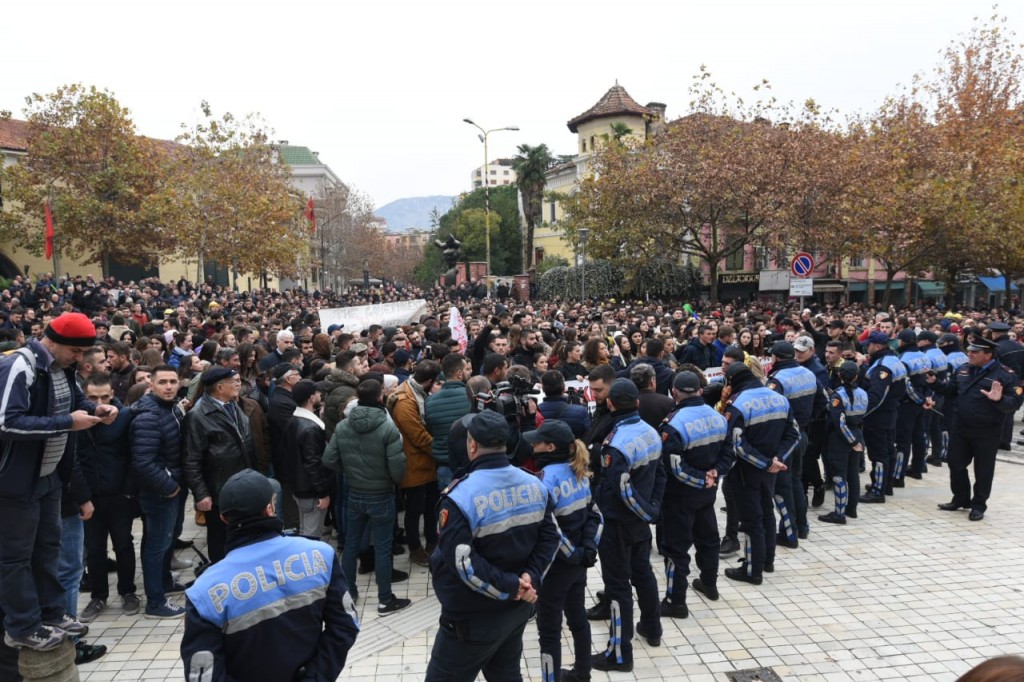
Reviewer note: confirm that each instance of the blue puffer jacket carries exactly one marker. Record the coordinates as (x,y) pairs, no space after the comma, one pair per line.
(156,446)
(105,455)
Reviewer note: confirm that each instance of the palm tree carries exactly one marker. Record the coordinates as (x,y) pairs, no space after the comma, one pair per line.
(530,166)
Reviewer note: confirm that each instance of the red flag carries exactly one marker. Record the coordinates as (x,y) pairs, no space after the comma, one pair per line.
(49,232)
(310,216)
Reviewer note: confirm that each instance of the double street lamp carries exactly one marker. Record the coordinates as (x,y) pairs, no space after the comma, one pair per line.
(487,192)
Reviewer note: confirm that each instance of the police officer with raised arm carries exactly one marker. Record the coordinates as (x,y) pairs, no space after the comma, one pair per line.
(497,538)
(985,391)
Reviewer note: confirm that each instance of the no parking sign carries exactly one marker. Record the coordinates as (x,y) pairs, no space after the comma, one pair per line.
(802,265)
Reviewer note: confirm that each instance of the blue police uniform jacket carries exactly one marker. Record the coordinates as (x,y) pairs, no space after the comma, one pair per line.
(693,443)
(885,382)
(761,425)
(633,480)
(800,387)
(846,413)
(261,612)
(918,365)
(495,523)
(938,359)
(974,411)
(580,523)
(956,358)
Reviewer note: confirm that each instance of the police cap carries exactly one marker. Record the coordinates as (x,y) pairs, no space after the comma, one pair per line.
(928,335)
(554,431)
(848,370)
(783,350)
(488,428)
(980,343)
(908,336)
(998,326)
(686,382)
(245,495)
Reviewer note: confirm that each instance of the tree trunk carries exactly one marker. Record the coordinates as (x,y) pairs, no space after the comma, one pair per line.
(713,279)
(1006,289)
(887,297)
(106,263)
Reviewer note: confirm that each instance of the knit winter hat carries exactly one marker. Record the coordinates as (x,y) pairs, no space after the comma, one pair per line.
(72,329)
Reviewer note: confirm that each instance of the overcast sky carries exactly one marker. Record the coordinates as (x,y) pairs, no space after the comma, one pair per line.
(380,88)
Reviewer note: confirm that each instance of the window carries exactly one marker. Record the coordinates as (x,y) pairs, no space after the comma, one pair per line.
(504,172)
(857,262)
(583,146)
(735,260)
(761,258)
(494,172)
(552,212)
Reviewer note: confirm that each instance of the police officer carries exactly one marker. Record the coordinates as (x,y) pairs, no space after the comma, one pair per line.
(845,443)
(274,608)
(884,379)
(986,391)
(949,344)
(910,433)
(565,472)
(806,398)
(1010,354)
(497,538)
(764,436)
(695,454)
(629,496)
(926,340)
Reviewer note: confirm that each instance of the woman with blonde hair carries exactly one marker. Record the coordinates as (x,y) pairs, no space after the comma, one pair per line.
(563,462)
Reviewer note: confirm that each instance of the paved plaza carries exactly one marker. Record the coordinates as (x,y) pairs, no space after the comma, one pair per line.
(905,592)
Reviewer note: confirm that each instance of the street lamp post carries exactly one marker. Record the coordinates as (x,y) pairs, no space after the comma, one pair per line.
(366,275)
(583,242)
(487,193)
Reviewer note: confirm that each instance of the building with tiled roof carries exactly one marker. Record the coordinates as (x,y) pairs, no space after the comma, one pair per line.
(616,111)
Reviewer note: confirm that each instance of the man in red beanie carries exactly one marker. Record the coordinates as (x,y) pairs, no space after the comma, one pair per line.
(41,406)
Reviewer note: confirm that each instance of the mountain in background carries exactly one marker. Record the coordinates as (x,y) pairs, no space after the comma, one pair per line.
(407,215)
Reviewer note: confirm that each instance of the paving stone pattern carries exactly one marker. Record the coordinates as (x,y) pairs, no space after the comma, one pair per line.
(905,592)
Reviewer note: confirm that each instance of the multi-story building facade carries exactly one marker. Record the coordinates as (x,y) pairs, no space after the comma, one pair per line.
(497,172)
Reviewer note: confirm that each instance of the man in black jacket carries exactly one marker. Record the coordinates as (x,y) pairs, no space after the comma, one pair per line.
(218,445)
(304,442)
(663,373)
(105,465)
(282,408)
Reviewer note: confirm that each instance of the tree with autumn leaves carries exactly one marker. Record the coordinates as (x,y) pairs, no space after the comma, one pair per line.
(218,193)
(932,180)
(86,158)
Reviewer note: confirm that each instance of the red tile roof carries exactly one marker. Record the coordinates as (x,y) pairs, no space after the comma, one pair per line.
(13,134)
(615,102)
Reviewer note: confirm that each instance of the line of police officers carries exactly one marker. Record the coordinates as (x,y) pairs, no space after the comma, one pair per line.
(501,528)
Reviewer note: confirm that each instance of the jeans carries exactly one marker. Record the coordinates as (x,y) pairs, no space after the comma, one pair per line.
(30,590)
(113,517)
(340,500)
(376,510)
(69,566)
(444,476)
(161,516)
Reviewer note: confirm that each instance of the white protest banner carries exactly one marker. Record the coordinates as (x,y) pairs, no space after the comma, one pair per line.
(458,327)
(358,317)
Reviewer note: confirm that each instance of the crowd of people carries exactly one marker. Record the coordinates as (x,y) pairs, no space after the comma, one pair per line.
(506,461)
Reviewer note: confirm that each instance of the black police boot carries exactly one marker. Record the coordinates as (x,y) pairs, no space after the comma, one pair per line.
(729,545)
(935,461)
(740,575)
(603,662)
(574,676)
(818,498)
(709,591)
(670,610)
(652,640)
(915,475)
(872,497)
(832,517)
(947,506)
(601,610)
(897,483)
